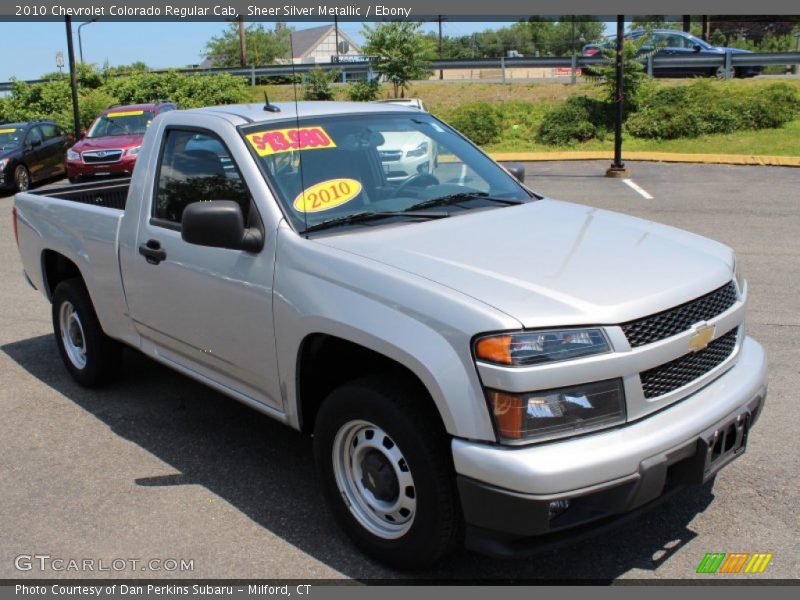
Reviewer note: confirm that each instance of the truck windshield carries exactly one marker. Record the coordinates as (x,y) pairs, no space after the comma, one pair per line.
(329,168)
(122,122)
(10,137)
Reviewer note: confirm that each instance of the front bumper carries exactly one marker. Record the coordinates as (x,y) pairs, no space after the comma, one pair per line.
(506,492)
(78,168)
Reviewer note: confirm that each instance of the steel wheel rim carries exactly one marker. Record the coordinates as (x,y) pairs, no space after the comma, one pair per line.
(72,335)
(23,180)
(358,441)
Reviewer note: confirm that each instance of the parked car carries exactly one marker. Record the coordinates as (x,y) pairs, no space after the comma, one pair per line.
(477,363)
(676,43)
(31,152)
(407,154)
(112,142)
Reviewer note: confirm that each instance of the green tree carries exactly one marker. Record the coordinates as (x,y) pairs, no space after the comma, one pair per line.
(401,52)
(263,46)
(317,84)
(635,82)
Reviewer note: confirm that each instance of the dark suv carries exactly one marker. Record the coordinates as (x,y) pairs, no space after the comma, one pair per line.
(31,152)
(112,142)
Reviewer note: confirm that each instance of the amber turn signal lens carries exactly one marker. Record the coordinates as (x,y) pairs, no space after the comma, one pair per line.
(508,413)
(495,349)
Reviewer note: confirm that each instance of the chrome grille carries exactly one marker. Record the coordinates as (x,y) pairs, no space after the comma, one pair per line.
(101,156)
(676,320)
(390,155)
(688,368)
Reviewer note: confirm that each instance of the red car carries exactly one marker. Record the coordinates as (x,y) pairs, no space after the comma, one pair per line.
(112,142)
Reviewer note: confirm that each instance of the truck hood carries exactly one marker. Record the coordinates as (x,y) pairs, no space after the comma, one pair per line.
(551,263)
(109,142)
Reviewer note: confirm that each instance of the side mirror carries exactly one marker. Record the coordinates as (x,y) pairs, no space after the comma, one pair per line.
(219,224)
(83,134)
(36,143)
(515,169)
(697,48)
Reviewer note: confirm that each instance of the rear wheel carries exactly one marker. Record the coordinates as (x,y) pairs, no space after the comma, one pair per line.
(91,357)
(386,472)
(22,178)
(74,179)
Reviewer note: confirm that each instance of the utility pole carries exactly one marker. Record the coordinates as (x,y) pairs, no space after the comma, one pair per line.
(242,44)
(687,23)
(73,79)
(706,33)
(441,52)
(336,32)
(617,168)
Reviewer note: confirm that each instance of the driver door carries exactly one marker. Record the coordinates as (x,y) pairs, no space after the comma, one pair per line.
(206,310)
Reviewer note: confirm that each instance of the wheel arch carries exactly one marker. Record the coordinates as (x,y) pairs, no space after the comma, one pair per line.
(326,361)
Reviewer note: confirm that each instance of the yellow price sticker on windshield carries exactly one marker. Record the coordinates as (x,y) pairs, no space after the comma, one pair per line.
(286,140)
(7,130)
(126,113)
(327,195)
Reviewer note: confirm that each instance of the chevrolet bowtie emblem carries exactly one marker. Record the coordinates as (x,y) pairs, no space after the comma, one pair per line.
(701,338)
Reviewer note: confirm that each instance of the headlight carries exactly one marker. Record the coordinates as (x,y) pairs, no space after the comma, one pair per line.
(562,412)
(3,163)
(536,347)
(420,150)
(72,155)
(133,151)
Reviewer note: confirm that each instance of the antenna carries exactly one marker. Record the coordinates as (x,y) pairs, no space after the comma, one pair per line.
(297,126)
(267,106)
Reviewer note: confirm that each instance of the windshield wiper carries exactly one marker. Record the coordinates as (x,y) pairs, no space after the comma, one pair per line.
(461,197)
(371,215)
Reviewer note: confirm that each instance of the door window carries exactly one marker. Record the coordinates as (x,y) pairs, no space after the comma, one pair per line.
(49,131)
(196,167)
(34,135)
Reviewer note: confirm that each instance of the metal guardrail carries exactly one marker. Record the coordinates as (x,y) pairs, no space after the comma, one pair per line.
(728,61)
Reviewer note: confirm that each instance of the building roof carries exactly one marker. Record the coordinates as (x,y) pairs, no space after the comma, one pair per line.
(305,41)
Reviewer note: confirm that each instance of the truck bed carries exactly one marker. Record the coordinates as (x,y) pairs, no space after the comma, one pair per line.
(109,193)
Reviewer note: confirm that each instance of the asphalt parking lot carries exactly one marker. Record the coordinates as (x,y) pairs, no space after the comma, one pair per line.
(157,466)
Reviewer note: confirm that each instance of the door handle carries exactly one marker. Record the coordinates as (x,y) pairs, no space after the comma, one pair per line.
(152,252)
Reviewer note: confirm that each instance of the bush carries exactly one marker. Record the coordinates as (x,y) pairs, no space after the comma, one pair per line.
(188,91)
(317,84)
(479,121)
(364,91)
(704,108)
(578,119)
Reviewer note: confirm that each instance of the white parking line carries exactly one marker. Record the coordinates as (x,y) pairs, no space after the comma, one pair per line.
(637,188)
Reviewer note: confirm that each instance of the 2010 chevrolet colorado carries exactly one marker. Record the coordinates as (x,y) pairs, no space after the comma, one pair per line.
(475,362)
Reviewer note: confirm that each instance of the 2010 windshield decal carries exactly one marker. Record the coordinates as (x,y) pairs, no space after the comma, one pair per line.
(326,195)
(276,141)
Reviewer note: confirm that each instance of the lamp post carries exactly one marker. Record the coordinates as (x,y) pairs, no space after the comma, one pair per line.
(80,42)
(617,168)
(441,71)
(73,79)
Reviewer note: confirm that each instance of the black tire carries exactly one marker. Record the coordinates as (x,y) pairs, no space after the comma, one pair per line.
(74,179)
(102,355)
(403,411)
(22,178)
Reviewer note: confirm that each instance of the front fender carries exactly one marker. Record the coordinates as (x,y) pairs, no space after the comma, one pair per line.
(413,321)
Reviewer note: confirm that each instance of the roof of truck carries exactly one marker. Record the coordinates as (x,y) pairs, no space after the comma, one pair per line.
(255,113)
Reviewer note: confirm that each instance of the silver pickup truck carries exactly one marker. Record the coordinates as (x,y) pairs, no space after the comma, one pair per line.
(476,363)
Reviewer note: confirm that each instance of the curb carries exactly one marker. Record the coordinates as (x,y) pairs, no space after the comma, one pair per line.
(706,159)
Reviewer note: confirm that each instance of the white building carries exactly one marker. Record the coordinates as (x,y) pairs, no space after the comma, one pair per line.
(318,45)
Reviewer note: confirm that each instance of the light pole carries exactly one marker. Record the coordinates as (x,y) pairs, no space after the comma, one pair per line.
(617,168)
(76,116)
(80,42)
(441,54)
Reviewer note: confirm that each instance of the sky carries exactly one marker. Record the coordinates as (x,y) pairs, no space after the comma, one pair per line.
(29,48)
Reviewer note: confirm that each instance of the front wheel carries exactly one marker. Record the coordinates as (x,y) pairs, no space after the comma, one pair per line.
(91,357)
(22,178)
(386,472)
